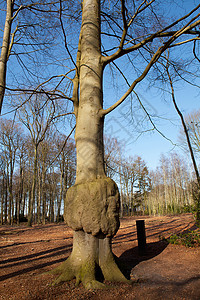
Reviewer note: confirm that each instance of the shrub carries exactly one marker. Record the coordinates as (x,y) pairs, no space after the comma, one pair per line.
(189,239)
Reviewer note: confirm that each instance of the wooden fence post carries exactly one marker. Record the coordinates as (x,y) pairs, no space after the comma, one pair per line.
(141,236)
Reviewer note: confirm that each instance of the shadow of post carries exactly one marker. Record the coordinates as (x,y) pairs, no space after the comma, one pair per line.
(131,257)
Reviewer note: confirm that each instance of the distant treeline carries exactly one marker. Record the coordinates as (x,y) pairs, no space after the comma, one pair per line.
(33,184)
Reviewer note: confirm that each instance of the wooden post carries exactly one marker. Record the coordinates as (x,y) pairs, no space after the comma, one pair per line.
(141,236)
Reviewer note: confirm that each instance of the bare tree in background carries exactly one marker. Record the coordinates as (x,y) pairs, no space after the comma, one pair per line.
(38,122)
(27,30)
(196,189)
(171,189)
(10,135)
(192,121)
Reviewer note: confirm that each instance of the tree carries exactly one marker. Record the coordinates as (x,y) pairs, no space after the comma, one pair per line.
(32,22)
(111,155)
(196,189)
(136,184)
(193,124)
(3,184)
(38,121)
(192,121)
(170,190)
(128,169)
(20,177)
(92,204)
(142,184)
(67,166)
(6,46)
(10,136)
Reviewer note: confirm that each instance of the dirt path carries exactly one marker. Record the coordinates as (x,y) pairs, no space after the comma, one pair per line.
(166,272)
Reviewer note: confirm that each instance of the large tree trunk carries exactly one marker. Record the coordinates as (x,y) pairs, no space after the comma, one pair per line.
(92,204)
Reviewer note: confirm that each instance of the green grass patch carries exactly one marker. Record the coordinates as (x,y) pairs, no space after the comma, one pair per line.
(189,239)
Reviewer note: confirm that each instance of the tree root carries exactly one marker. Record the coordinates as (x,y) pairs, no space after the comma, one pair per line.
(86,273)
(88,255)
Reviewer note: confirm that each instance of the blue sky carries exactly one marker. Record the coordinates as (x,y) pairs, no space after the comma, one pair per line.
(150,144)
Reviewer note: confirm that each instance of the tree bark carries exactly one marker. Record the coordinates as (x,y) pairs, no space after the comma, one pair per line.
(5,50)
(32,199)
(59,201)
(2,196)
(6,198)
(39,199)
(19,193)
(89,127)
(43,194)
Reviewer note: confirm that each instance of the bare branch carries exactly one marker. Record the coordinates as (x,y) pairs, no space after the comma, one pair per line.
(75,94)
(12,41)
(194,51)
(139,10)
(185,42)
(153,60)
(150,119)
(184,127)
(33,6)
(64,34)
(63,146)
(162,33)
(125,24)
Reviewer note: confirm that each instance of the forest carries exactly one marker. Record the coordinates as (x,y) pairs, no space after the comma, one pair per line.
(47,171)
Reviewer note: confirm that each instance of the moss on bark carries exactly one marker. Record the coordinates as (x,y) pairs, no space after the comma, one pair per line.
(93,207)
(89,253)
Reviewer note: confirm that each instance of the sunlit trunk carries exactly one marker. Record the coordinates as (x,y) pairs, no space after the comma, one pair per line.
(6,199)
(5,50)
(2,196)
(92,204)
(43,194)
(32,199)
(59,201)
(89,127)
(20,193)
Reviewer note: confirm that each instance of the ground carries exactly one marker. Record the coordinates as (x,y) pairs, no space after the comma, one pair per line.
(166,271)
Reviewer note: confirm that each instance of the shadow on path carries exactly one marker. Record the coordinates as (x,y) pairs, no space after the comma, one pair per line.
(130,258)
(35,261)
